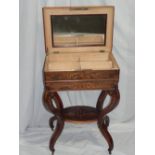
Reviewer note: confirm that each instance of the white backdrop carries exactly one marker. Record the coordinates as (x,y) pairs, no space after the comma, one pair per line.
(32,54)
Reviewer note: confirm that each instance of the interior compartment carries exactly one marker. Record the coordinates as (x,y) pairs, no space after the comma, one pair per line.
(80,61)
(63,66)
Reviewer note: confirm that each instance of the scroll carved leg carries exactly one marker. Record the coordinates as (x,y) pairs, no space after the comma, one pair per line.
(103,126)
(48,103)
(103,119)
(57,111)
(57,132)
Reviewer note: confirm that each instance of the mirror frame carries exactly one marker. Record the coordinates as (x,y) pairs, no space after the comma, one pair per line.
(49,11)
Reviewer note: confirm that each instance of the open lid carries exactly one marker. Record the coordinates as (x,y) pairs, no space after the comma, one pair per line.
(76,29)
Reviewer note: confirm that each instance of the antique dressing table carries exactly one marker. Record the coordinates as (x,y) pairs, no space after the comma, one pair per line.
(78,43)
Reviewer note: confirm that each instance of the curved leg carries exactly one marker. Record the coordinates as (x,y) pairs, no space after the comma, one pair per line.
(103,126)
(57,132)
(103,119)
(100,101)
(57,111)
(48,103)
(106,120)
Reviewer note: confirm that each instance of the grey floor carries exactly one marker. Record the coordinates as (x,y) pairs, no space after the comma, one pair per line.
(81,140)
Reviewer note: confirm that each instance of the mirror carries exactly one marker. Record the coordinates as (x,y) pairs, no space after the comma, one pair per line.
(79,30)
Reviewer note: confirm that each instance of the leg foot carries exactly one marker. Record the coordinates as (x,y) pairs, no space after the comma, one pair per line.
(57,132)
(110,151)
(53,151)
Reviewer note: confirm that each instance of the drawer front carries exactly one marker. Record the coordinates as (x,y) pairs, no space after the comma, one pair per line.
(80,85)
(82,75)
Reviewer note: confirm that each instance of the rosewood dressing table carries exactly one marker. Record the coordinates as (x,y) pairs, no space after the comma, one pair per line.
(78,43)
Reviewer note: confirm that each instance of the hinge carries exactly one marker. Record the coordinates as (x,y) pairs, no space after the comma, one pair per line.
(102,51)
(56,52)
(78,8)
(46,50)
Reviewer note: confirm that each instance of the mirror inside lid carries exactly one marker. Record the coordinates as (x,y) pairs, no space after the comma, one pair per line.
(78,29)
